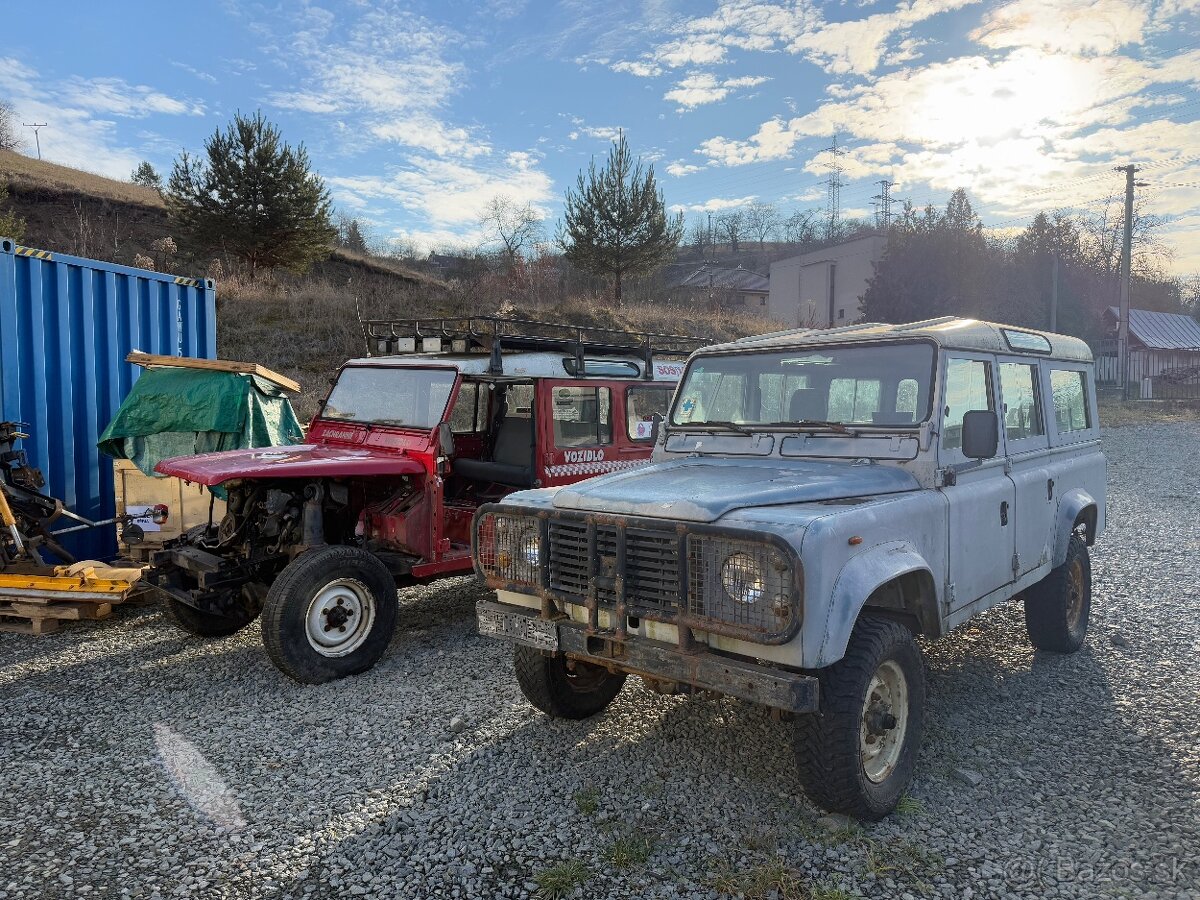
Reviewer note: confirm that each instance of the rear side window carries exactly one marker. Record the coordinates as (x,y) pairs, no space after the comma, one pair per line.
(854,400)
(582,416)
(968,388)
(1022,413)
(1070,400)
(641,404)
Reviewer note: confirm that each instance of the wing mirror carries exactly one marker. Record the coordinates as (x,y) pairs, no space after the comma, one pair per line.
(980,434)
(445,439)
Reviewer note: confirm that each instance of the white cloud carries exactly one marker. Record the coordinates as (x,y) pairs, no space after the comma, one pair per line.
(116,97)
(600,132)
(680,169)
(427,133)
(640,69)
(715,205)
(697,90)
(1067,26)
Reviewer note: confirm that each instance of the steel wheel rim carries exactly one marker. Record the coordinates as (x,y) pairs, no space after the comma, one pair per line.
(1074,593)
(884,722)
(340,617)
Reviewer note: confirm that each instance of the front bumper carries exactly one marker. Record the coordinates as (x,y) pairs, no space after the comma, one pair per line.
(699,668)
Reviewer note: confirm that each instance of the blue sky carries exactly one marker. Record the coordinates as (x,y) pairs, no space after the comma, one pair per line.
(418,113)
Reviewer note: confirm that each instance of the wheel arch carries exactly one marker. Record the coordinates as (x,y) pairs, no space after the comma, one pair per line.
(1076,508)
(894,581)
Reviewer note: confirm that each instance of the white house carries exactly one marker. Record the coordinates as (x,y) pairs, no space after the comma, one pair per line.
(823,288)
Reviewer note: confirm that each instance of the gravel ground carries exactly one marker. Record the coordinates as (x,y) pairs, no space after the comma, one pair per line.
(143,764)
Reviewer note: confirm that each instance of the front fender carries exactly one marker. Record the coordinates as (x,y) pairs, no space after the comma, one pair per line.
(1070,506)
(859,578)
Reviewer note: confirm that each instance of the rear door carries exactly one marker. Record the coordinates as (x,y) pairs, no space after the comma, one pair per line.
(1027,447)
(979,495)
(577,431)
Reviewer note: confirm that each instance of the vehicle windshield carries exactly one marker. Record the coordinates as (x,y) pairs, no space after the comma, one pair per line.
(878,384)
(384,395)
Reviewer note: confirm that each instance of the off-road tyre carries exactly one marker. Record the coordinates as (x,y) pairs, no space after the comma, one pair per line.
(550,686)
(828,744)
(203,624)
(1058,607)
(295,594)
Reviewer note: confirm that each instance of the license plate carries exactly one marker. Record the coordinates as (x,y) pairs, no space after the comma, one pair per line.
(514,626)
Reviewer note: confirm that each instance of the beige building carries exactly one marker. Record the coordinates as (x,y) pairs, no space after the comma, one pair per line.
(823,288)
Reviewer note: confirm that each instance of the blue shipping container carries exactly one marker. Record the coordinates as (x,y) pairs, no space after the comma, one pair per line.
(66,326)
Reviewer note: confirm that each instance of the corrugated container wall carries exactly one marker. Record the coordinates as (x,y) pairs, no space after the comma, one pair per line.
(66,326)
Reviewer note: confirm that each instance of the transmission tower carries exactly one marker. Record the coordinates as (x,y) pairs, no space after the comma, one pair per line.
(833,203)
(883,204)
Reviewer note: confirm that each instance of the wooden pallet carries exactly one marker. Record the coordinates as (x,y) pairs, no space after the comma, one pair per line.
(35,616)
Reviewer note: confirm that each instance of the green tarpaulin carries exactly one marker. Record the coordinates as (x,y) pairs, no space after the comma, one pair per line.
(180,412)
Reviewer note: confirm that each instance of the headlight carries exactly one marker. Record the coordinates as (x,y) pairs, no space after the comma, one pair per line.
(743,578)
(509,547)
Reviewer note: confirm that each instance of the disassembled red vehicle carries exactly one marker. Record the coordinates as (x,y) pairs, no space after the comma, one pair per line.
(405,448)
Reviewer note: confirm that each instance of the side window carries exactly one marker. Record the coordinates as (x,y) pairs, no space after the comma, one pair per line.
(464,415)
(906,398)
(518,401)
(1070,400)
(1022,412)
(641,403)
(854,400)
(582,416)
(968,388)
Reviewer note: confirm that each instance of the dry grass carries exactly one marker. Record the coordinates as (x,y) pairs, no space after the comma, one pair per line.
(1120,413)
(23,171)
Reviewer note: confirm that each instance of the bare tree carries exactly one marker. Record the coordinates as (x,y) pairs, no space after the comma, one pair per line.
(731,226)
(10,136)
(798,228)
(699,236)
(762,220)
(515,227)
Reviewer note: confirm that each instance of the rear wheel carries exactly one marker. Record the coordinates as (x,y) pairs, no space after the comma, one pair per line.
(856,756)
(329,614)
(1058,607)
(562,688)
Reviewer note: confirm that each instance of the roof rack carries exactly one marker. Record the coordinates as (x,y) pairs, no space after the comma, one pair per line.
(495,335)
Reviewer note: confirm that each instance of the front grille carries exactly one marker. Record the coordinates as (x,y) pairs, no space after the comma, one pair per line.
(710,580)
(651,564)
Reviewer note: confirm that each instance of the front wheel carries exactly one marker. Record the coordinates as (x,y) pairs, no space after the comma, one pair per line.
(205,624)
(329,614)
(1058,607)
(563,688)
(856,755)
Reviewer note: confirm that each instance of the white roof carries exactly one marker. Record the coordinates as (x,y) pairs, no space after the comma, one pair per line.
(950,332)
(525,365)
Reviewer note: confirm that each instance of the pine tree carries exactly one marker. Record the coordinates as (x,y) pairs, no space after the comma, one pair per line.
(147,176)
(616,223)
(254,197)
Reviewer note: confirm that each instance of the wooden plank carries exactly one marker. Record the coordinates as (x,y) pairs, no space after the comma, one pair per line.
(72,611)
(29,626)
(213,365)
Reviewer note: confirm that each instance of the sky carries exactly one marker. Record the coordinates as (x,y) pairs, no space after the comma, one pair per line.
(418,113)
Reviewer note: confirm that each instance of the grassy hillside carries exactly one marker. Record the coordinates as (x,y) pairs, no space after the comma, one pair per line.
(303,326)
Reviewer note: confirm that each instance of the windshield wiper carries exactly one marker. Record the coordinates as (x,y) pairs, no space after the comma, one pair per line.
(718,423)
(836,427)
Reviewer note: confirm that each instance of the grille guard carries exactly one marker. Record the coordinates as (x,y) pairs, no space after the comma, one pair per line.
(623,607)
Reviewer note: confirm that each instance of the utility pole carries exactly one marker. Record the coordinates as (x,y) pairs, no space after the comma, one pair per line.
(1126,277)
(1054,294)
(36,126)
(712,248)
(833,204)
(883,208)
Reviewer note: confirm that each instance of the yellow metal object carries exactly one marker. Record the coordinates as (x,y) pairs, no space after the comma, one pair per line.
(77,582)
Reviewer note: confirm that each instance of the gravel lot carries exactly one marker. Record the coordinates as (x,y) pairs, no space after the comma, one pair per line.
(143,764)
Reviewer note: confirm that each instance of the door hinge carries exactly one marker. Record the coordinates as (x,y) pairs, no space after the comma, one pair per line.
(949,596)
(1016,563)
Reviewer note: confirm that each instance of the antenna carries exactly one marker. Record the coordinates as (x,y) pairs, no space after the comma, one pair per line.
(833,202)
(37,127)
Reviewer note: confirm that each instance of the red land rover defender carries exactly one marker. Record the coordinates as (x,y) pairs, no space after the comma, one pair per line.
(405,448)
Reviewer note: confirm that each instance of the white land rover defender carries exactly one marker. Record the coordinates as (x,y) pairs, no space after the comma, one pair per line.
(817,500)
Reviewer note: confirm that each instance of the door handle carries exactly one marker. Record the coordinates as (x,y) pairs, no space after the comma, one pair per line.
(1003,513)
(1049,488)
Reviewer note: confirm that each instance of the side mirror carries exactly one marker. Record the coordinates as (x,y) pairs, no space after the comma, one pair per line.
(655,428)
(980,434)
(445,439)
